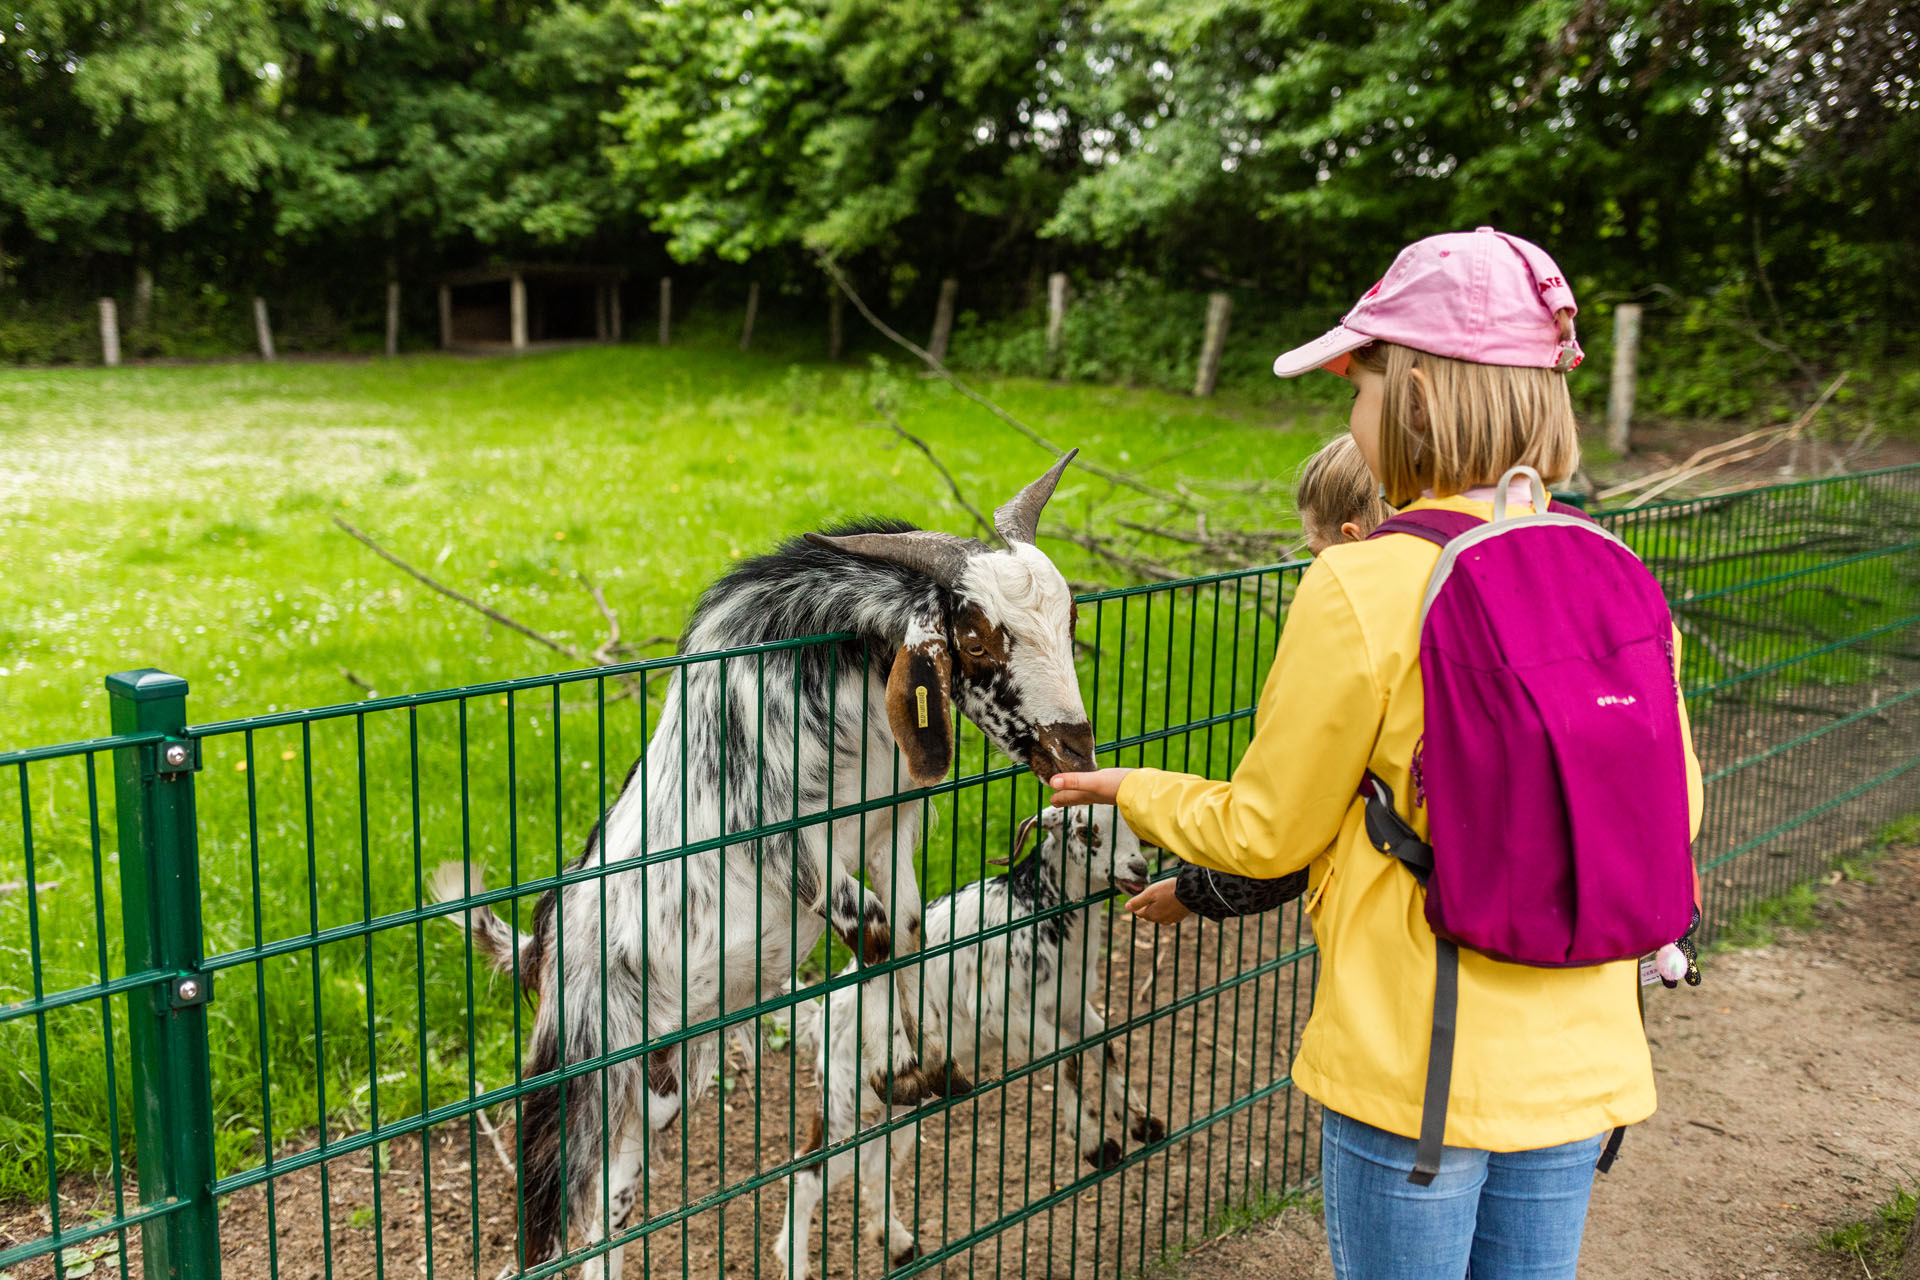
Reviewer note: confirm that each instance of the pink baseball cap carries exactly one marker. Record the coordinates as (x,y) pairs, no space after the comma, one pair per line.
(1479,295)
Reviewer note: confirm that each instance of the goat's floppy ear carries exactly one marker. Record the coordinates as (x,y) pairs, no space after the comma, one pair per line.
(919,706)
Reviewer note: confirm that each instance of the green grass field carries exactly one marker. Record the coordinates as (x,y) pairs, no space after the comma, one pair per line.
(181,518)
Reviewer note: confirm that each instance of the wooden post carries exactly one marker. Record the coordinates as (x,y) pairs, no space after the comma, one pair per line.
(446,316)
(1626,355)
(613,310)
(602,322)
(393,318)
(142,296)
(109,333)
(836,327)
(666,310)
(753,309)
(261,328)
(517,306)
(943,319)
(1056,312)
(1219,311)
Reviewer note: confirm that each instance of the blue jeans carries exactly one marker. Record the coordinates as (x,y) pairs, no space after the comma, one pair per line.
(1490,1215)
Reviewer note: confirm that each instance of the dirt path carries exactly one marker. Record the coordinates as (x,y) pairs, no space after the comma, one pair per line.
(1789,1105)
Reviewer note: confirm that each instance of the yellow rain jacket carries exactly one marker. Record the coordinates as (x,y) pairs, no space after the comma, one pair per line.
(1542,1056)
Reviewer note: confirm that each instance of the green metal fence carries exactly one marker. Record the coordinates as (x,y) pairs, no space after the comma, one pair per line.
(242,1041)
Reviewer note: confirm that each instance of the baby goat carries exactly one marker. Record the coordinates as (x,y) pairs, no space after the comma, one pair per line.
(1023,993)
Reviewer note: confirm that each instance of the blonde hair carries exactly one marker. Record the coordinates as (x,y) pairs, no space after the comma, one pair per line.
(1335,487)
(1460,424)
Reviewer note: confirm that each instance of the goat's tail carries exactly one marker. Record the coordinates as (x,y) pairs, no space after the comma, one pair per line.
(492,936)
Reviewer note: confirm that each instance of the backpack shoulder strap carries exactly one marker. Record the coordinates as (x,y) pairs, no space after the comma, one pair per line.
(1437,527)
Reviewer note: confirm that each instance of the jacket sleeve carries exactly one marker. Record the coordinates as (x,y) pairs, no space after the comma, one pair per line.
(1219,896)
(1320,712)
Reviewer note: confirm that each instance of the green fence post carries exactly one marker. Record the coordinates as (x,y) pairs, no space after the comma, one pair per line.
(160,911)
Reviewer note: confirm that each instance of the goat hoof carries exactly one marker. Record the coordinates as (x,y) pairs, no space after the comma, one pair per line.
(1149,1129)
(950,1082)
(907,1254)
(1107,1157)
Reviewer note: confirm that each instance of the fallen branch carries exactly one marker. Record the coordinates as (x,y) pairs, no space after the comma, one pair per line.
(953,486)
(493,1136)
(609,652)
(1715,456)
(935,365)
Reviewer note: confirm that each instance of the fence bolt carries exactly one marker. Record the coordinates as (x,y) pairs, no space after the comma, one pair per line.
(167,1018)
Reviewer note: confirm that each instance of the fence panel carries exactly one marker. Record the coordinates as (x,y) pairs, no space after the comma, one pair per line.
(374,1093)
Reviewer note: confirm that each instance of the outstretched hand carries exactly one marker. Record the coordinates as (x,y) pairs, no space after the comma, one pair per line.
(1102,786)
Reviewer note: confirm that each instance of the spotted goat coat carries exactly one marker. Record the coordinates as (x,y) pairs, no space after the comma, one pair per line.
(670,939)
(1021,994)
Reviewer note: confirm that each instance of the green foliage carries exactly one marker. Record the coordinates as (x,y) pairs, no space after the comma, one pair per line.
(1759,924)
(1879,1241)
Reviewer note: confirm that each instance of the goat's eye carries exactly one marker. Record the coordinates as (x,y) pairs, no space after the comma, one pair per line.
(975,649)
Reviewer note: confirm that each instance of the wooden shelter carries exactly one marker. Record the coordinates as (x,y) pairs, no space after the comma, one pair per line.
(519,305)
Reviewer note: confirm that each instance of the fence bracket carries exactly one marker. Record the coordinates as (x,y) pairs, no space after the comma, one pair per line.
(191,990)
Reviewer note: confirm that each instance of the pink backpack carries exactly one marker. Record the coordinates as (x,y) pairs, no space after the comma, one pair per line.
(1552,765)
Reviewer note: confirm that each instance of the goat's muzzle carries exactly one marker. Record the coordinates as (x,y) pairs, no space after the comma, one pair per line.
(1062,748)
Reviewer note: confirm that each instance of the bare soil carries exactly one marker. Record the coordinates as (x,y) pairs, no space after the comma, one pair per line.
(1789,1105)
(992,1154)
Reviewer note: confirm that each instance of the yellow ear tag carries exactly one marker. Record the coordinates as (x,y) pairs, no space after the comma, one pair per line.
(920,699)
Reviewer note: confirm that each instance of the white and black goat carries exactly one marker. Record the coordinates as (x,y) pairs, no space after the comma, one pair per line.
(932,622)
(1024,993)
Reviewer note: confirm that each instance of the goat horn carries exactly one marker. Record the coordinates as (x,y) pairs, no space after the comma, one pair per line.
(940,556)
(1019,519)
(1019,841)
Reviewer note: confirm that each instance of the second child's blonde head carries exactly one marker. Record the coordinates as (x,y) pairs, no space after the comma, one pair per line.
(1336,491)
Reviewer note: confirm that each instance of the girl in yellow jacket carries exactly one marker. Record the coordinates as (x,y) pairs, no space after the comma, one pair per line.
(1458,359)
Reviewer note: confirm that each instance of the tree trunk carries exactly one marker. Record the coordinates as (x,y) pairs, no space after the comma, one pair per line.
(393,315)
(517,306)
(142,296)
(753,309)
(943,319)
(446,316)
(836,328)
(262,329)
(1219,311)
(666,310)
(1626,355)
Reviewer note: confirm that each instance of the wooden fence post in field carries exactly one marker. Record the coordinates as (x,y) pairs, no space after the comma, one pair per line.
(393,318)
(1056,312)
(1626,355)
(1219,311)
(666,310)
(261,328)
(943,319)
(109,332)
(517,310)
(446,316)
(836,327)
(753,309)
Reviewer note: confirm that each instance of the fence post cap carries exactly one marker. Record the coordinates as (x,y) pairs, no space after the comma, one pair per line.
(146,684)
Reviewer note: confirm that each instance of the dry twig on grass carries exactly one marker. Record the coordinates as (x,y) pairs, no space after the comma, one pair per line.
(611,651)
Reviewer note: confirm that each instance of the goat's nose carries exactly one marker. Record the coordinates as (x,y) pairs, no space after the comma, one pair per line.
(1064,748)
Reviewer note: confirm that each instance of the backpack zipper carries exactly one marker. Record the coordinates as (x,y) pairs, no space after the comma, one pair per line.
(1419,777)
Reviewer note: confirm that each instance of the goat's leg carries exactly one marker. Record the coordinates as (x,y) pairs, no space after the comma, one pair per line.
(612,1194)
(896,1242)
(888,860)
(1079,1090)
(1124,1106)
(809,1186)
